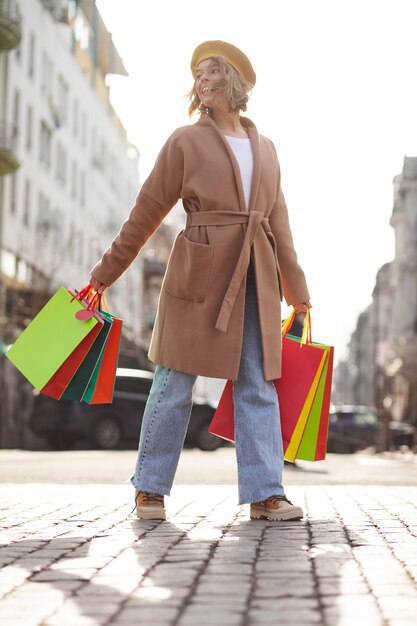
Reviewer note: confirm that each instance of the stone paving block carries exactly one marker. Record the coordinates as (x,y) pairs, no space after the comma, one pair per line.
(147,614)
(234,602)
(349,556)
(285,604)
(220,589)
(72,620)
(397,606)
(195,615)
(345,587)
(285,591)
(292,616)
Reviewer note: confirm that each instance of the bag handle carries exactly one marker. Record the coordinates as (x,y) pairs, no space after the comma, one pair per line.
(306,332)
(94,302)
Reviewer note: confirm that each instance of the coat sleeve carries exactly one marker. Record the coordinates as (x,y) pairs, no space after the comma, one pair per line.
(156,198)
(293,279)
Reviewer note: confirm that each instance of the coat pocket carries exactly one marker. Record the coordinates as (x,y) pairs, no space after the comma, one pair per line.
(189,269)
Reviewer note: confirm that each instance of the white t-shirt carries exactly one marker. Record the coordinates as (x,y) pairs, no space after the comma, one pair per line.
(243,153)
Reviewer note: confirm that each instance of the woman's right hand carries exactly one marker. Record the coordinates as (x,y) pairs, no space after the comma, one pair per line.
(97,285)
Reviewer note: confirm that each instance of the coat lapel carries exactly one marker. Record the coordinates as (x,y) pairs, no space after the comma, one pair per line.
(206,119)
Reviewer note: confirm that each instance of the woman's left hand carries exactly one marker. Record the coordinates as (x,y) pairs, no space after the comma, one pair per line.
(303,307)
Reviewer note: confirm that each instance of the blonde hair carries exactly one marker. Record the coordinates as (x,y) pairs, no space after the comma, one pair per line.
(232,85)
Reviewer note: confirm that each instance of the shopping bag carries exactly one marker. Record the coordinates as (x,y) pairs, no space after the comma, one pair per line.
(59,382)
(101,385)
(306,369)
(56,386)
(302,369)
(79,382)
(50,338)
(89,372)
(313,444)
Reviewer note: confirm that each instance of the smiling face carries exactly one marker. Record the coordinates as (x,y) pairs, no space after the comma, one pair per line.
(218,87)
(208,82)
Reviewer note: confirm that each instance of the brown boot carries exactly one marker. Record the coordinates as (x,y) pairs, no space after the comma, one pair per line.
(149,505)
(276,508)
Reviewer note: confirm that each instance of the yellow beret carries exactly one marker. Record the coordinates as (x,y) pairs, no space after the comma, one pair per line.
(229,53)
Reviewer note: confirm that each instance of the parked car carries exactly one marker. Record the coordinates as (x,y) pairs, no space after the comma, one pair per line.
(106,426)
(352,428)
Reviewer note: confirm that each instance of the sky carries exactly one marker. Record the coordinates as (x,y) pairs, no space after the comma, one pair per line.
(336,92)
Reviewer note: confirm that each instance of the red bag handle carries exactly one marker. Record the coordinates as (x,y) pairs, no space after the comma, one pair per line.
(94,301)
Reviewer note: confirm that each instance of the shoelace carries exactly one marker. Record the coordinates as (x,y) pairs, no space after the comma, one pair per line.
(151,497)
(275,499)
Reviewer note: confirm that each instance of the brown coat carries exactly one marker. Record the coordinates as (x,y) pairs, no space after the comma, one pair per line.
(199,323)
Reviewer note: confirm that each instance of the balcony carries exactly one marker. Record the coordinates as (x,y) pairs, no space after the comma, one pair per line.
(9,162)
(10,26)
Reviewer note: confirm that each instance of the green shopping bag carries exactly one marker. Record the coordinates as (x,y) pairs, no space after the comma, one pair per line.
(50,338)
(314,440)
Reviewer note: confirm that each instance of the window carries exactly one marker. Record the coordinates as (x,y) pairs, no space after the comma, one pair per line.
(99,153)
(47,74)
(8,263)
(80,254)
(43,223)
(29,127)
(71,243)
(74,174)
(59,226)
(62,99)
(31,57)
(82,188)
(26,208)
(84,129)
(13,194)
(75,118)
(16,114)
(82,31)
(93,144)
(61,164)
(45,144)
(18,53)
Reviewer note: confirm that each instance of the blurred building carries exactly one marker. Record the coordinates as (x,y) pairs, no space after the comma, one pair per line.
(401,360)
(381,368)
(358,379)
(68,172)
(68,175)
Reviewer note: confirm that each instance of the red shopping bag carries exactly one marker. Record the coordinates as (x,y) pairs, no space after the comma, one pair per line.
(303,365)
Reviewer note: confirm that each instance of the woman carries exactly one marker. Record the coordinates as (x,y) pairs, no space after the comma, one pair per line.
(219,308)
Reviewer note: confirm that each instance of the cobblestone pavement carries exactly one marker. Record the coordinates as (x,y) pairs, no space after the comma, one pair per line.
(75,556)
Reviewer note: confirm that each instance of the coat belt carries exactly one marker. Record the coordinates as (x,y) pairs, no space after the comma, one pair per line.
(254,220)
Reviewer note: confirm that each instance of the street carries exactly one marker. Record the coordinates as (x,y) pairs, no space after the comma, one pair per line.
(72,552)
(196,467)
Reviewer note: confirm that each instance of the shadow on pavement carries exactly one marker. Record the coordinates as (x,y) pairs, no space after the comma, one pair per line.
(156,572)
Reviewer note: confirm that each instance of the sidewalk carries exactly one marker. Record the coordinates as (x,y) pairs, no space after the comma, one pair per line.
(72,556)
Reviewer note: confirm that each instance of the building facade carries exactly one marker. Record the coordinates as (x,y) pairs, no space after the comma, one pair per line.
(76,174)
(401,361)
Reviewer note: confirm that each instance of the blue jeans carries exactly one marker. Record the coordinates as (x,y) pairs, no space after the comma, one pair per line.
(259,450)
